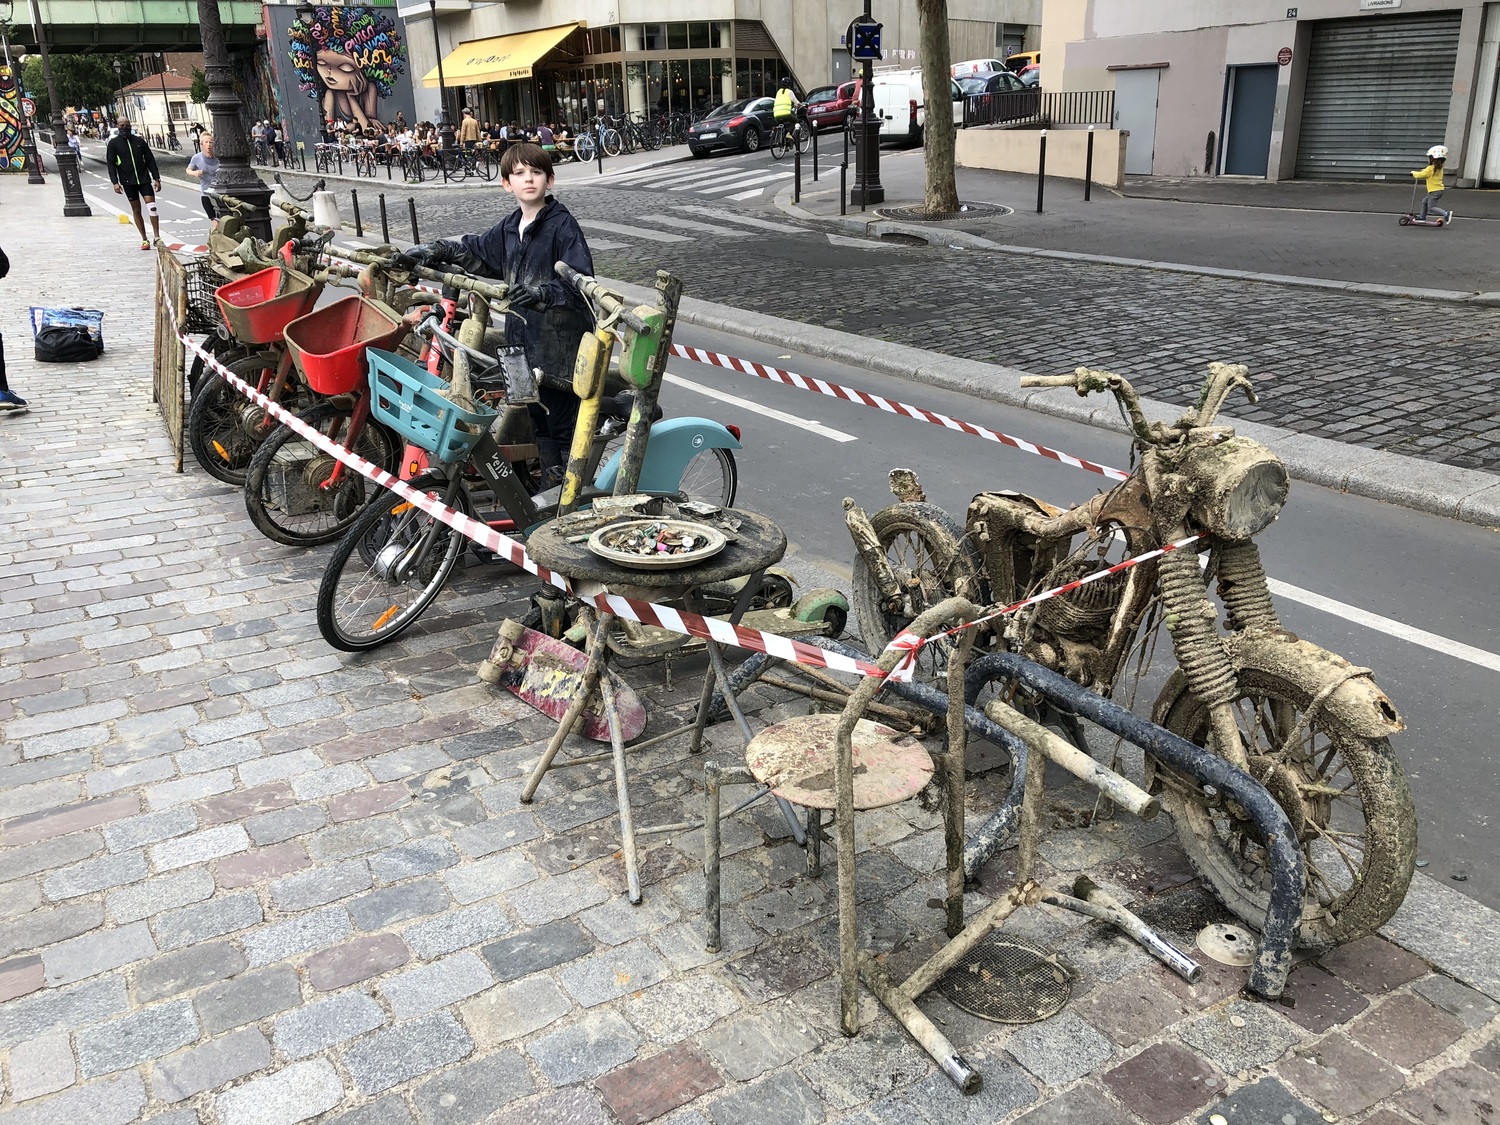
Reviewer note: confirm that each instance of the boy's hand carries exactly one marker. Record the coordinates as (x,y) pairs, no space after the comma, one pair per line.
(526,296)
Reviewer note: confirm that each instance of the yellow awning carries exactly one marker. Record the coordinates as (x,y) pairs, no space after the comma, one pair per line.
(499,59)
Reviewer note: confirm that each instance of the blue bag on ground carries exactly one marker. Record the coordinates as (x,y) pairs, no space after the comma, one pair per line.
(90,320)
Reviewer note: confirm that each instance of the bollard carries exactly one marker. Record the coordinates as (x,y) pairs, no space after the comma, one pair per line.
(1041,171)
(411,209)
(326,210)
(815,154)
(599,147)
(359,228)
(385,228)
(1088,165)
(796,171)
(844,174)
(389,160)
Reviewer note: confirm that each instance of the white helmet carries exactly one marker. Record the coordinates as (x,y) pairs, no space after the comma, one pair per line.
(1438,152)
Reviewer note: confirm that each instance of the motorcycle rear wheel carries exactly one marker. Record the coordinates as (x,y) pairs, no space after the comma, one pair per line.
(933,559)
(1346,796)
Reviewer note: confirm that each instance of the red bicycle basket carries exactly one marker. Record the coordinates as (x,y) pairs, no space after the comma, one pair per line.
(257,308)
(328,344)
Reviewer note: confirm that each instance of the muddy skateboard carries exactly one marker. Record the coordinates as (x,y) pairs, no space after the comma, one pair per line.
(547,674)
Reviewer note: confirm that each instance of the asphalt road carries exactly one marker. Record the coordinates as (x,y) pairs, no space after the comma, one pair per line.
(1421,572)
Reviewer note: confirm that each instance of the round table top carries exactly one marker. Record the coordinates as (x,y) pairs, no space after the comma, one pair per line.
(758,543)
(796,758)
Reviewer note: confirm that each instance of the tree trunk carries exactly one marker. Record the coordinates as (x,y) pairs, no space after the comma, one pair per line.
(942,189)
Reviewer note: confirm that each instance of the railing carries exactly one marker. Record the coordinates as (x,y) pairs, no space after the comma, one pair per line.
(1036,107)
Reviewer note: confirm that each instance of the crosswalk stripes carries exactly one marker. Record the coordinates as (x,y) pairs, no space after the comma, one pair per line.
(637,232)
(743,220)
(726,226)
(693,224)
(736,179)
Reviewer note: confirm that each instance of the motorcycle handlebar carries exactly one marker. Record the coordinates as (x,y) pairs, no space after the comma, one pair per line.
(610,301)
(1049,380)
(491,290)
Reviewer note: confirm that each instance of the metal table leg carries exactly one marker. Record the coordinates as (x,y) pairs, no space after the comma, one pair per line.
(591,674)
(622,792)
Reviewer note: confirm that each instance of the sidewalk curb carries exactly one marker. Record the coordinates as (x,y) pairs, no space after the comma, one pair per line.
(1409,482)
(877,227)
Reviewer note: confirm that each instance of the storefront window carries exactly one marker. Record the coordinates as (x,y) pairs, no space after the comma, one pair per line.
(677,36)
(742,79)
(656,96)
(702,89)
(677,70)
(757,79)
(652,38)
(698,36)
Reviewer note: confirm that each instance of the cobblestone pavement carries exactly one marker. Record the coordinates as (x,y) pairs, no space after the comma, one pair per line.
(247,880)
(1406,376)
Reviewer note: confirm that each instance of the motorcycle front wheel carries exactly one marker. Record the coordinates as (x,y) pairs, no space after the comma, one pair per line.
(932,560)
(1346,797)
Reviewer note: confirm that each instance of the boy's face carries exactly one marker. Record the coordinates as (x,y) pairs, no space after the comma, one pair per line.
(528,184)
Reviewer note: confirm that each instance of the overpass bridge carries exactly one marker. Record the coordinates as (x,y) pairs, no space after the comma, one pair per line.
(129,26)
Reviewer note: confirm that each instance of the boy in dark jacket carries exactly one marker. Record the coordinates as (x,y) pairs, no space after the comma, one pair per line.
(133,171)
(548,317)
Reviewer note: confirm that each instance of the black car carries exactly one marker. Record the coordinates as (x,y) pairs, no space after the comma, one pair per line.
(744,125)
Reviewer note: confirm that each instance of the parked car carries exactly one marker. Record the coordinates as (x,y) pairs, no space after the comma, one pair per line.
(831,107)
(1020,61)
(745,125)
(902,110)
(1031,77)
(996,98)
(975,66)
(1000,82)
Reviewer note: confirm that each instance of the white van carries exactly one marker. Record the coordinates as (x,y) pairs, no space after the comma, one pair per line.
(975,66)
(901,108)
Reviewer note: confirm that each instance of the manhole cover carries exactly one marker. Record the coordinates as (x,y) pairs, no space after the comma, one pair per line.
(965,211)
(1008,980)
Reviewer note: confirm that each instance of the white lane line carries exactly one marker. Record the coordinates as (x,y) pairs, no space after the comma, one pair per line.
(666,175)
(110,207)
(729,179)
(741,196)
(694,224)
(721,189)
(1390,627)
(605,244)
(635,232)
(743,220)
(756,408)
(174,203)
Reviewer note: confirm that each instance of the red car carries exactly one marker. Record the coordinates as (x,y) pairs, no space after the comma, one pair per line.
(832,107)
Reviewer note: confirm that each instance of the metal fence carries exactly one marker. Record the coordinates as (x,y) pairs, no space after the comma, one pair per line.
(1039,108)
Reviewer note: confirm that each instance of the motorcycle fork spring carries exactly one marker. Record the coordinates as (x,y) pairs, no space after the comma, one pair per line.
(1243,588)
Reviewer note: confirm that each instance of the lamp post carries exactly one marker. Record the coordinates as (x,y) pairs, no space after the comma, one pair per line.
(235,176)
(165,105)
(28,141)
(124,107)
(67,160)
(445,124)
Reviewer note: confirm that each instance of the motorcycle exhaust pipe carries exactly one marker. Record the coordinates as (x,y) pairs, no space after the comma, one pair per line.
(1090,899)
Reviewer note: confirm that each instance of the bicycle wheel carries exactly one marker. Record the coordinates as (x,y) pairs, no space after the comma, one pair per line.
(804,139)
(286,489)
(780,143)
(610,139)
(583,148)
(388,569)
(484,167)
(712,477)
(652,138)
(224,428)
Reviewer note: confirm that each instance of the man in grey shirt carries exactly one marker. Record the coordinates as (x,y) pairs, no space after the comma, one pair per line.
(204,167)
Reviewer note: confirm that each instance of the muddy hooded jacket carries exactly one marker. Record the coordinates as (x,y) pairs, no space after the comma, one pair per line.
(550,335)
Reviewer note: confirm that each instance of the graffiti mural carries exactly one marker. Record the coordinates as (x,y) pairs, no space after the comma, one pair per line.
(349,61)
(12,159)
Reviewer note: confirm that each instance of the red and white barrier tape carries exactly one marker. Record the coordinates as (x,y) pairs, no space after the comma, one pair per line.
(911,643)
(183,248)
(864,398)
(647,613)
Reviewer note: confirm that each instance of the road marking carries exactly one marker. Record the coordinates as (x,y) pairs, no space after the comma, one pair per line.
(111,208)
(637,232)
(756,408)
(606,244)
(743,195)
(1390,627)
(741,182)
(743,220)
(694,224)
(174,203)
(859,243)
(723,180)
(666,175)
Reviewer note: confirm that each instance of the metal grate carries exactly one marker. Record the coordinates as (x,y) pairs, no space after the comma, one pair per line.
(965,211)
(1008,980)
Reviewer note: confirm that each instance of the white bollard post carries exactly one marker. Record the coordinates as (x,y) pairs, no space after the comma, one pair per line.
(279,194)
(326,210)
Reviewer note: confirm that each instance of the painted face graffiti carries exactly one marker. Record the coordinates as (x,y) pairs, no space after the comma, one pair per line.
(348,59)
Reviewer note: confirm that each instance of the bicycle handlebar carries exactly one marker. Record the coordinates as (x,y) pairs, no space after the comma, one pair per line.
(1049,380)
(612,302)
(492,290)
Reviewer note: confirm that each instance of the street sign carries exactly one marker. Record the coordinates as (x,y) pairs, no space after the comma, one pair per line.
(864,40)
(1284,56)
(28,107)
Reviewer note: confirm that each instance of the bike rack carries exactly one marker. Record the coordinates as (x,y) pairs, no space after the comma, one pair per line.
(1273,956)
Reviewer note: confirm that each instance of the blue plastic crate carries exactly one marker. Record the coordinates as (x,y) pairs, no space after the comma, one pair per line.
(405,397)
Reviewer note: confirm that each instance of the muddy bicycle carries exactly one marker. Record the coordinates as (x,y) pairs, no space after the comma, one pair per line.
(1308,725)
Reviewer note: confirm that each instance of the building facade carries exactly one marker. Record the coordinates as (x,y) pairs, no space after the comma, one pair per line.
(558,61)
(1282,89)
(149,109)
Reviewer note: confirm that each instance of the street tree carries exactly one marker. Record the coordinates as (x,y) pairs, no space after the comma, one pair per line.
(82,80)
(942,187)
(199,90)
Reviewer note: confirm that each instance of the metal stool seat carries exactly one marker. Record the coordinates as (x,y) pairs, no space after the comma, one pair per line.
(795,758)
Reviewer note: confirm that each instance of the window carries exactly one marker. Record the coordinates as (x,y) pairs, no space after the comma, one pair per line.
(757,78)
(677,36)
(178,110)
(652,38)
(698,36)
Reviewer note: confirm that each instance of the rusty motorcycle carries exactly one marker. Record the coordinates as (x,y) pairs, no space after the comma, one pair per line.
(1313,728)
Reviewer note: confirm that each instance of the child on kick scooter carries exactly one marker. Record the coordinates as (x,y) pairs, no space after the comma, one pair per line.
(1437,156)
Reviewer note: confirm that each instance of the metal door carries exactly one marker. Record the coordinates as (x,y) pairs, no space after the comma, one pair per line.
(1135,109)
(1377,97)
(840,66)
(1247,127)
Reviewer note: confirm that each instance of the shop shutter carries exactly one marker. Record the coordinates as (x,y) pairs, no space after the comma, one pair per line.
(1377,95)
(752,38)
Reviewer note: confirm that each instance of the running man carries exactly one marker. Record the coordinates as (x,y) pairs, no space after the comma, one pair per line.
(133,171)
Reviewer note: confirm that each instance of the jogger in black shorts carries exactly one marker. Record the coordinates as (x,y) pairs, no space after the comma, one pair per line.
(133,171)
